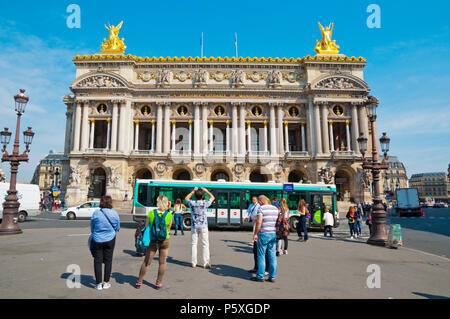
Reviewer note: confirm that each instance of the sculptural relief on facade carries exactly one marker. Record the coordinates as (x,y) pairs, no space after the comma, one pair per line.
(338,83)
(100,81)
(274,78)
(164,77)
(325,175)
(201,77)
(237,78)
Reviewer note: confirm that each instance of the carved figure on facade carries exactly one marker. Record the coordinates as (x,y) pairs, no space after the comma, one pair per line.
(114,44)
(237,78)
(114,176)
(201,77)
(274,78)
(325,175)
(161,168)
(199,169)
(326,45)
(337,83)
(164,77)
(100,81)
(75,175)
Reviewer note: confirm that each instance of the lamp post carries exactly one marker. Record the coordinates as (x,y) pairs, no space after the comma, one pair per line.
(378,234)
(11,205)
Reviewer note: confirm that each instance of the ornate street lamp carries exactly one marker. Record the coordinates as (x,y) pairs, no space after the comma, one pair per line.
(379,234)
(11,205)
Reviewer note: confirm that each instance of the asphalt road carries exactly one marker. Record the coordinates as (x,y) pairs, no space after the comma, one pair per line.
(430,234)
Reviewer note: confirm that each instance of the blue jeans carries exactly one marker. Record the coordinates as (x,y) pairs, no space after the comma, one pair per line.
(179,222)
(352,228)
(301,226)
(266,242)
(358,227)
(328,229)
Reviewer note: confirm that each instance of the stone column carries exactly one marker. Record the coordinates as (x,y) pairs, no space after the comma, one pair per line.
(68,135)
(273,139)
(159,124)
(249,136)
(325,134)
(234,129)
(108,134)
(286,137)
(242,129)
(196,129)
(85,128)
(331,136)
(211,136)
(280,129)
(136,136)
(123,128)
(355,129)
(347,135)
(317,130)
(91,137)
(310,127)
(174,128)
(303,137)
(265,137)
(166,144)
(153,137)
(114,126)
(190,137)
(227,138)
(205,128)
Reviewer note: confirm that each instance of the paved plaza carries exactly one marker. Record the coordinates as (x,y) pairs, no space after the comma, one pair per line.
(34,265)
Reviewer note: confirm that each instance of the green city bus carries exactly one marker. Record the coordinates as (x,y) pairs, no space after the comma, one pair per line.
(229,210)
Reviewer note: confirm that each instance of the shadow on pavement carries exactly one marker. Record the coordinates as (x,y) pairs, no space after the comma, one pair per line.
(128,279)
(428,296)
(178,262)
(131,253)
(85,280)
(230,271)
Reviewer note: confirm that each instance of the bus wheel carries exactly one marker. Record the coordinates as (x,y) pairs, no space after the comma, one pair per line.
(187,222)
(293,221)
(21,217)
(71,216)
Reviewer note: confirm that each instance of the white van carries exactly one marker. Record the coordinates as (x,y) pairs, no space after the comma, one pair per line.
(29,198)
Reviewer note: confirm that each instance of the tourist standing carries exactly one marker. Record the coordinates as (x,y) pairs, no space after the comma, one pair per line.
(156,218)
(105,223)
(252,212)
(283,228)
(301,225)
(351,222)
(328,222)
(178,210)
(199,224)
(358,221)
(265,236)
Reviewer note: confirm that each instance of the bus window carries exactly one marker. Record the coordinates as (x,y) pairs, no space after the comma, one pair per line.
(144,197)
(235,200)
(168,192)
(222,200)
(181,193)
(328,202)
(294,198)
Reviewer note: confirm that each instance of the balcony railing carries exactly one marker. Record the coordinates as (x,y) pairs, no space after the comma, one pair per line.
(296,154)
(142,152)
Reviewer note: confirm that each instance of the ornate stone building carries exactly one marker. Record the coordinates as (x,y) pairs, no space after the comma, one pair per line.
(433,185)
(395,176)
(237,119)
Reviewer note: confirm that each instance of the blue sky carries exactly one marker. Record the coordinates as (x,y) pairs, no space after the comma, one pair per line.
(407,68)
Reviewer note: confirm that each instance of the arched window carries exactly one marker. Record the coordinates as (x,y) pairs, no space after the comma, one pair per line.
(182,175)
(257,177)
(220,175)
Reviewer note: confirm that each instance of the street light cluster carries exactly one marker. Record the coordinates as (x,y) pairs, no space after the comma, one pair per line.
(11,205)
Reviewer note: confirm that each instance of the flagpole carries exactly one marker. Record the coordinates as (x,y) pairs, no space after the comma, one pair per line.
(202,46)
(236,44)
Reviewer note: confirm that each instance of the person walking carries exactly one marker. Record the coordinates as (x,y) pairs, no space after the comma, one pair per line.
(351,222)
(265,236)
(105,223)
(328,221)
(358,221)
(199,224)
(283,228)
(159,222)
(178,210)
(301,225)
(369,223)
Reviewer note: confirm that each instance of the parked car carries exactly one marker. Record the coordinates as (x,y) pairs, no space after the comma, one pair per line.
(84,210)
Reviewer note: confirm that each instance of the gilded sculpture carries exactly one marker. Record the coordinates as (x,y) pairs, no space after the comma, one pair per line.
(113,44)
(326,45)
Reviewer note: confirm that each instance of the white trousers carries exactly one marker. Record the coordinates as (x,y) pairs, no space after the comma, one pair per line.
(201,234)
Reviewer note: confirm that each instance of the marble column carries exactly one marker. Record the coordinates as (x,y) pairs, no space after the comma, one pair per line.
(303,137)
(196,129)
(331,136)
(166,141)
(190,137)
(234,129)
(249,137)
(211,137)
(310,127)
(123,127)
(265,137)
(136,136)
(286,137)
(91,137)
(273,139)
(174,129)
(68,132)
(227,138)
(280,139)
(317,130)
(347,135)
(114,126)
(85,128)
(205,128)
(355,129)
(325,134)
(153,137)
(242,129)
(159,129)
(108,134)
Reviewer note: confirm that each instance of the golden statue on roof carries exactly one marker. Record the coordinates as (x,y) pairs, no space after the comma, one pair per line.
(113,44)
(326,46)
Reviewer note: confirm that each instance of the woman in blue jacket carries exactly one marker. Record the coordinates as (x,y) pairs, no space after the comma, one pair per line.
(105,223)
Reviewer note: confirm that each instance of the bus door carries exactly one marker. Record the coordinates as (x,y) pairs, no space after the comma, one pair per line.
(228,208)
(316,210)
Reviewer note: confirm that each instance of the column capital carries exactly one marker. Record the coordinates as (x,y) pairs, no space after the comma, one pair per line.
(330,122)
(302,124)
(190,122)
(286,124)
(265,123)
(153,122)
(249,123)
(347,122)
(136,122)
(92,121)
(227,123)
(211,123)
(173,123)
(108,121)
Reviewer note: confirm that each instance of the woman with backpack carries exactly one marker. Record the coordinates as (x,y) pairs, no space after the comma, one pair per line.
(283,227)
(156,236)
(105,223)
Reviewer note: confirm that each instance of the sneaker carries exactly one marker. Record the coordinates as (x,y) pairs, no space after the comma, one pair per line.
(106,285)
(266,273)
(300,239)
(207,266)
(193,265)
(256,279)
(271,280)
(285,252)
(138,285)
(99,287)
(158,286)
(351,237)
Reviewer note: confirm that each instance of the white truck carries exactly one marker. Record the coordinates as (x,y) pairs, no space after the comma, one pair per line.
(29,198)
(408,203)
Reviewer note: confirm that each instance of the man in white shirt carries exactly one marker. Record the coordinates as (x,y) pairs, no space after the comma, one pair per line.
(328,220)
